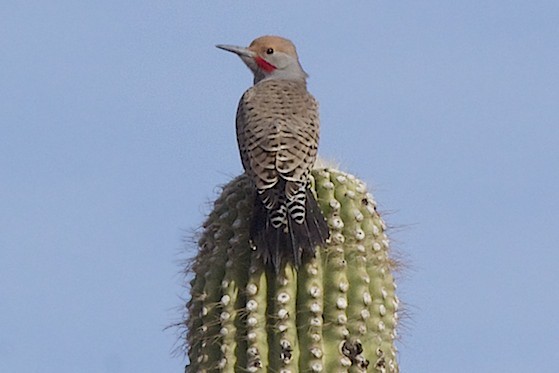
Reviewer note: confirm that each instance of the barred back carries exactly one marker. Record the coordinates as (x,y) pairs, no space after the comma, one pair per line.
(277,134)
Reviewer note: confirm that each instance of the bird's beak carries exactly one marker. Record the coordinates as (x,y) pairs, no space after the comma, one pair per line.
(240,51)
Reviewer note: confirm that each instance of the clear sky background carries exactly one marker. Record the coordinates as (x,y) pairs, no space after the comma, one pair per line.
(117,126)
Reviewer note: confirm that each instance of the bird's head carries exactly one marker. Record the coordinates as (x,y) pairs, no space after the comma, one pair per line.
(270,57)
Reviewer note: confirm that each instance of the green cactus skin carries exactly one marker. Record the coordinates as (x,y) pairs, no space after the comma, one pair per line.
(337,313)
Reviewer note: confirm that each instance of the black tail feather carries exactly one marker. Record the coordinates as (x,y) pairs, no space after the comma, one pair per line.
(291,243)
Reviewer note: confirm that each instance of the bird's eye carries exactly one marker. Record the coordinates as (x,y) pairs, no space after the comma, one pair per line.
(270,51)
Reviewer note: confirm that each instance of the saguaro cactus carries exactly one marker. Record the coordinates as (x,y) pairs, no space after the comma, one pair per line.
(336,313)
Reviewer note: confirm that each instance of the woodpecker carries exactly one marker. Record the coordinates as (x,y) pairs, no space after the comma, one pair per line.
(277,127)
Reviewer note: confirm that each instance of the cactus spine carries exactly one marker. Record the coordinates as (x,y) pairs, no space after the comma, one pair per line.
(337,313)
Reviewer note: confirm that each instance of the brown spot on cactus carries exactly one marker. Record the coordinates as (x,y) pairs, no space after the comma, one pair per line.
(336,312)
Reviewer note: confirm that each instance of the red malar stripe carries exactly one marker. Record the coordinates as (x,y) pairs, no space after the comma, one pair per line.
(264,65)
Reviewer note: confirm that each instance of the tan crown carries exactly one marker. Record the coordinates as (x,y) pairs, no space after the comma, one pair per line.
(277,43)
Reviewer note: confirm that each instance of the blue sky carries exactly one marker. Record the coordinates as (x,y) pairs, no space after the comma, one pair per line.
(117,127)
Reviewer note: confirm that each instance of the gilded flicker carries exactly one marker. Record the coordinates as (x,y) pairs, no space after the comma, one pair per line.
(277,133)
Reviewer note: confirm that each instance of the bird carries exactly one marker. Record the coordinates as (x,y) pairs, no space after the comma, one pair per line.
(277,126)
